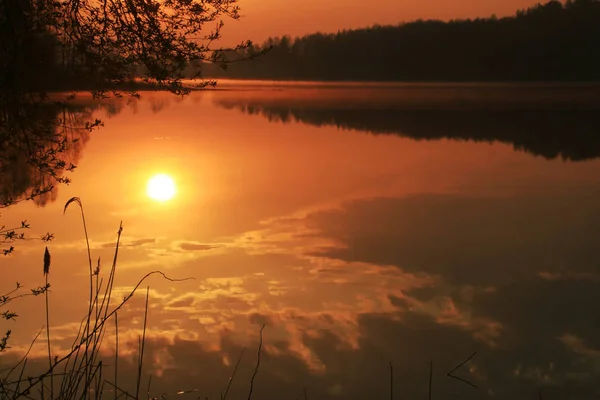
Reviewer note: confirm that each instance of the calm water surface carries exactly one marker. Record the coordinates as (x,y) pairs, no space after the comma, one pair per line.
(363,226)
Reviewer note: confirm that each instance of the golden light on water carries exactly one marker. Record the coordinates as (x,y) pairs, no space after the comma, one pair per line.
(161,187)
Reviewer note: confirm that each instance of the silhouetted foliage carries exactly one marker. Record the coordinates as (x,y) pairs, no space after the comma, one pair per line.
(101,44)
(543,43)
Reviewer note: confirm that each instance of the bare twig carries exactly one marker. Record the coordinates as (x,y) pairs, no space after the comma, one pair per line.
(450,373)
(430,377)
(237,364)
(143,341)
(123,392)
(116,351)
(148,389)
(257,362)
(391,381)
(24,358)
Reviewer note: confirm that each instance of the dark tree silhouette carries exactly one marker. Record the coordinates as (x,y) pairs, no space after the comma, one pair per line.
(102,43)
(543,43)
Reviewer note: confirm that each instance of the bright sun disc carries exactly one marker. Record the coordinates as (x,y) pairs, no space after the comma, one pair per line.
(161,187)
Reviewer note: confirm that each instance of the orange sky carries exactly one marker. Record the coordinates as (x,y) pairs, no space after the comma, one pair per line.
(264,18)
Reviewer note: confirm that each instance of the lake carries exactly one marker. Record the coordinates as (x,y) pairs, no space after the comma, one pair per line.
(366,226)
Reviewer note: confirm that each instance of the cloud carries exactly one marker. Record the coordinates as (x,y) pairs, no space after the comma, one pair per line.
(129,243)
(466,240)
(538,310)
(502,274)
(194,246)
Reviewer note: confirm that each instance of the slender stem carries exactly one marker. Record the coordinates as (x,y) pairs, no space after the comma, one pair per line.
(116,351)
(233,374)
(451,372)
(430,377)
(48,340)
(391,381)
(87,241)
(99,381)
(90,307)
(257,363)
(142,342)
(97,291)
(20,379)
(149,383)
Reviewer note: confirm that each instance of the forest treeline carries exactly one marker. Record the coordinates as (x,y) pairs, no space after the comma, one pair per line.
(548,42)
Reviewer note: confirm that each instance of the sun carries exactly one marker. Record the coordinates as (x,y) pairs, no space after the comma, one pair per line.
(161,187)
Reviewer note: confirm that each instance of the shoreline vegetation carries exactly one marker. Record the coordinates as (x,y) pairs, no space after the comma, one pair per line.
(550,42)
(546,44)
(82,371)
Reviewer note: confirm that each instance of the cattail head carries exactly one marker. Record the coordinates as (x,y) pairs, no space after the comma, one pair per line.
(97,270)
(46,261)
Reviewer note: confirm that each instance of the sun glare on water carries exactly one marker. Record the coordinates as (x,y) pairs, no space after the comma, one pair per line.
(161,187)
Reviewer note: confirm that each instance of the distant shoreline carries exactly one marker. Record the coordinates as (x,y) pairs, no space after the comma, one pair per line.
(383,84)
(511,95)
(413,95)
(228,84)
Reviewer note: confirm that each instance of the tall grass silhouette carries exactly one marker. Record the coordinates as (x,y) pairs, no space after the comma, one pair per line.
(78,374)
